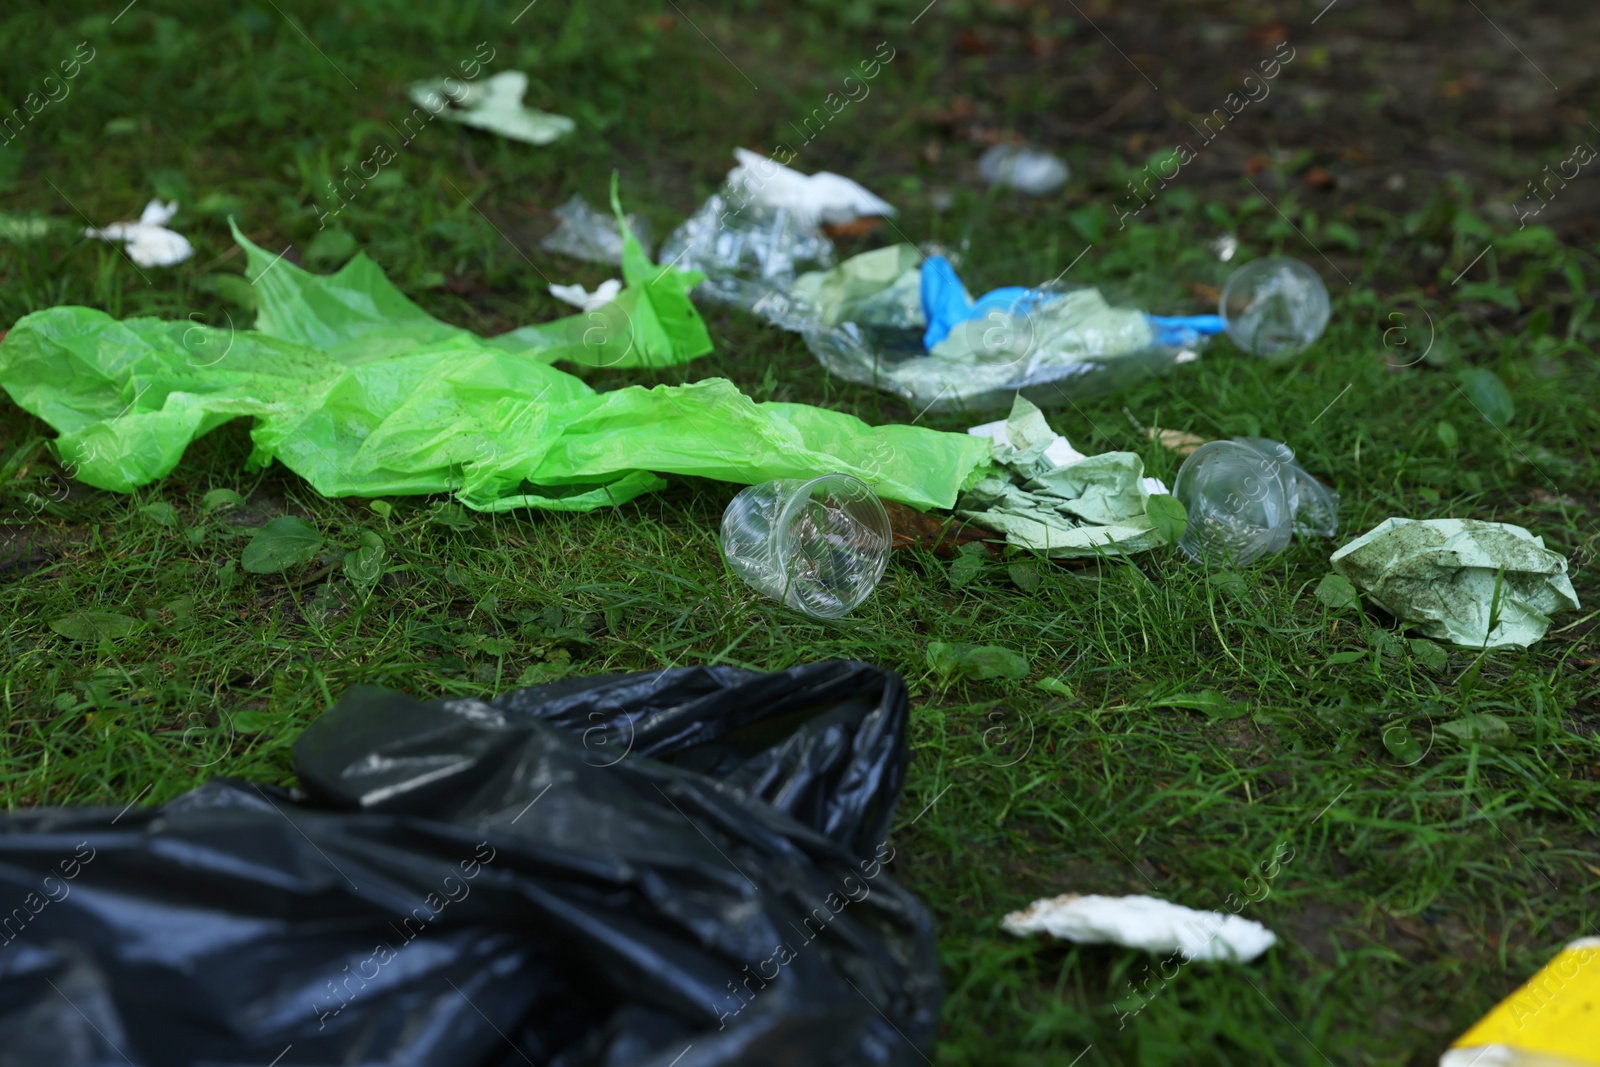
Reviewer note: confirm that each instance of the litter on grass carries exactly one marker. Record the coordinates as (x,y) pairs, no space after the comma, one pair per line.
(813,199)
(591,871)
(819,546)
(1274,307)
(1027,170)
(754,238)
(1553,1020)
(747,254)
(1146,923)
(1479,584)
(589,234)
(20,229)
(362,393)
(1080,506)
(493,104)
(1245,498)
(1031,444)
(148,242)
(579,297)
(903,322)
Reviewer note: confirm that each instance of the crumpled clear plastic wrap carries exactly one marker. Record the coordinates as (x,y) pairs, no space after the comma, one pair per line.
(1055,341)
(590,234)
(745,249)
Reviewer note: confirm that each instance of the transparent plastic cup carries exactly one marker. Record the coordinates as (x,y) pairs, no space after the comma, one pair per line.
(1246,498)
(1274,307)
(818,546)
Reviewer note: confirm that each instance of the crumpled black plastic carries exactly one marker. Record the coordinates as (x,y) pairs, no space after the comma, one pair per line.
(680,868)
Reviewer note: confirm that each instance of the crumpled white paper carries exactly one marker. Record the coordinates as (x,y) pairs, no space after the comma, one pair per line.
(1147,923)
(494,104)
(1059,451)
(812,198)
(148,242)
(578,296)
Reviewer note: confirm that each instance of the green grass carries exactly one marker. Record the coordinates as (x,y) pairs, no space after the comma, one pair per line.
(1417,893)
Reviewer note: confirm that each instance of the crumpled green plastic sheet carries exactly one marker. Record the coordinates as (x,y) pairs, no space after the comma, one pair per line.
(1092,506)
(362,393)
(883,287)
(1449,577)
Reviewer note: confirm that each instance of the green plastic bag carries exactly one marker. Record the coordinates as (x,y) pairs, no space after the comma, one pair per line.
(362,393)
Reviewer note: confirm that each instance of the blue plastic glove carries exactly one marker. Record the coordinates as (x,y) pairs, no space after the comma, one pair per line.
(1182,330)
(945,302)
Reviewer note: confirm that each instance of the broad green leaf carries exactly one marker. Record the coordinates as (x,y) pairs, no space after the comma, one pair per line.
(1025,576)
(1342,234)
(1347,657)
(964,568)
(284,542)
(182,612)
(1168,515)
(233,288)
(540,673)
(1491,293)
(218,499)
(1209,702)
(451,515)
(1488,394)
(1337,592)
(255,722)
(94,626)
(1402,743)
(331,246)
(1229,582)
(1056,686)
(364,565)
(1483,727)
(1386,643)
(1429,655)
(160,513)
(1446,434)
(976,662)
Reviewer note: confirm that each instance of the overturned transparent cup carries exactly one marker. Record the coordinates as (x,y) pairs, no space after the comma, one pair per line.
(1274,307)
(1246,498)
(819,546)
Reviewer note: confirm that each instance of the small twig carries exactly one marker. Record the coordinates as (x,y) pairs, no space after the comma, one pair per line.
(309,579)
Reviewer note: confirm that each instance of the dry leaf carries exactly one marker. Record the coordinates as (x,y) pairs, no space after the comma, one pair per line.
(941,533)
(854,228)
(1175,440)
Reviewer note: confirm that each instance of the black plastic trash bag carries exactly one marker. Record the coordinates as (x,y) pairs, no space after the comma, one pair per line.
(678,868)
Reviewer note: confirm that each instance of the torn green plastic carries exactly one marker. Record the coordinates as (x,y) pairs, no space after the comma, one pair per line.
(362,393)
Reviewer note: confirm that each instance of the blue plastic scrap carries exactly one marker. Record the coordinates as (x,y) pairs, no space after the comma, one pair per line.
(1181,331)
(945,304)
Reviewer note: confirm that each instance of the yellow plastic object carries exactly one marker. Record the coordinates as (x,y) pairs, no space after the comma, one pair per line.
(1552,1021)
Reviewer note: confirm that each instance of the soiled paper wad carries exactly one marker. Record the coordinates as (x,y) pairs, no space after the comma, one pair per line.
(1452,578)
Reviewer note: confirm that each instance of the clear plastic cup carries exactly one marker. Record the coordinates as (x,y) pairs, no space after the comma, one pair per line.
(1274,307)
(818,546)
(1246,498)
